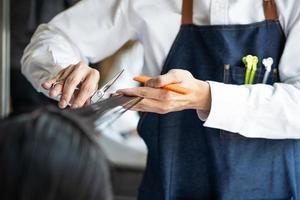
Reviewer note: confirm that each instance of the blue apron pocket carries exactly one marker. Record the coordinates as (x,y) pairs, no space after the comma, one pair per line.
(236,75)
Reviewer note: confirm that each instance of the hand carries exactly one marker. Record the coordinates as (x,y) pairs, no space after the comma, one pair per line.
(75,76)
(163,101)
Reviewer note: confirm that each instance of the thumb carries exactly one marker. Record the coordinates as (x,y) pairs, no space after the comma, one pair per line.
(171,77)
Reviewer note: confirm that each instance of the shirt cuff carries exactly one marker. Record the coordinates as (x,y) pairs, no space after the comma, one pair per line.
(228,107)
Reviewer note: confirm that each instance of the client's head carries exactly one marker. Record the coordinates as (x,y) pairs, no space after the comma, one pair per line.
(48,155)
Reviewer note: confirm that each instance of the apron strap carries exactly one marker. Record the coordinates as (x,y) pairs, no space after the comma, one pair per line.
(270,11)
(187,12)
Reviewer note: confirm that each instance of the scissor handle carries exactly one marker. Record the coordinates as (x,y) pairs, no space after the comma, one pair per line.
(171,87)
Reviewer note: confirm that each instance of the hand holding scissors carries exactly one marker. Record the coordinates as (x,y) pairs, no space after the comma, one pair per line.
(67,82)
(78,79)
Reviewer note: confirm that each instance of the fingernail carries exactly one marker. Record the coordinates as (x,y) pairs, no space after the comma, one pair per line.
(63,104)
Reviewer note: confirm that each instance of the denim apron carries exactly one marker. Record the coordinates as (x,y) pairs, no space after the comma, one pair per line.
(189,161)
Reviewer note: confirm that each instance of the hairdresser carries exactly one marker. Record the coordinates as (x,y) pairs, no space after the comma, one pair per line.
(235,136)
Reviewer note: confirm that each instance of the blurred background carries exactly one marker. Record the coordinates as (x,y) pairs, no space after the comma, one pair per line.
(123,147)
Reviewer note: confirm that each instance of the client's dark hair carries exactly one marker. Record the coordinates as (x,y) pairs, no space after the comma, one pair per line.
(51,155)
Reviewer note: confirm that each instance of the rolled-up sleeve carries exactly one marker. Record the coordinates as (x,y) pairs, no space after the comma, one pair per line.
(89,31)
(263,111)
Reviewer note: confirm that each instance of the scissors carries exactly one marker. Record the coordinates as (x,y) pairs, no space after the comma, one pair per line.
(100,93)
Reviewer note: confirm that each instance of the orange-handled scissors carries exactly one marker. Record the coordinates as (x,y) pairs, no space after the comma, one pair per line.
(171,87)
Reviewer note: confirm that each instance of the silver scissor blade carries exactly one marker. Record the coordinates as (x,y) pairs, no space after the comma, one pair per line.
(112,115)
(112,81)
(106,112)
(102,114)
(99,108)
(101,92)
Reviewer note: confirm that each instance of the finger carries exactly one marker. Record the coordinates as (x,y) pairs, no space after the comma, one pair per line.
(149,105)
(88,102)
(146,92)
(60,76)
(56,90)
(173,76)
(87,89)
(66,72)
(48,84)
(69,87)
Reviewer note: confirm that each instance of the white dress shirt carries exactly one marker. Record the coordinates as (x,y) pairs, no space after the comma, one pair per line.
(95,29)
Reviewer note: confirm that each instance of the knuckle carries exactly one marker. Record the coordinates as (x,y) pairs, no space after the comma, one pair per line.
(95,72)
(159,81)
(187,73)
(174,73)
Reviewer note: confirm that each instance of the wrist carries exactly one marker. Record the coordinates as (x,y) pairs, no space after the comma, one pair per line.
(203,96)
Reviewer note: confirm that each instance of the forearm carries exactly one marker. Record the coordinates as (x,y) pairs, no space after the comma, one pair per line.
(47,54)
(258,111)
